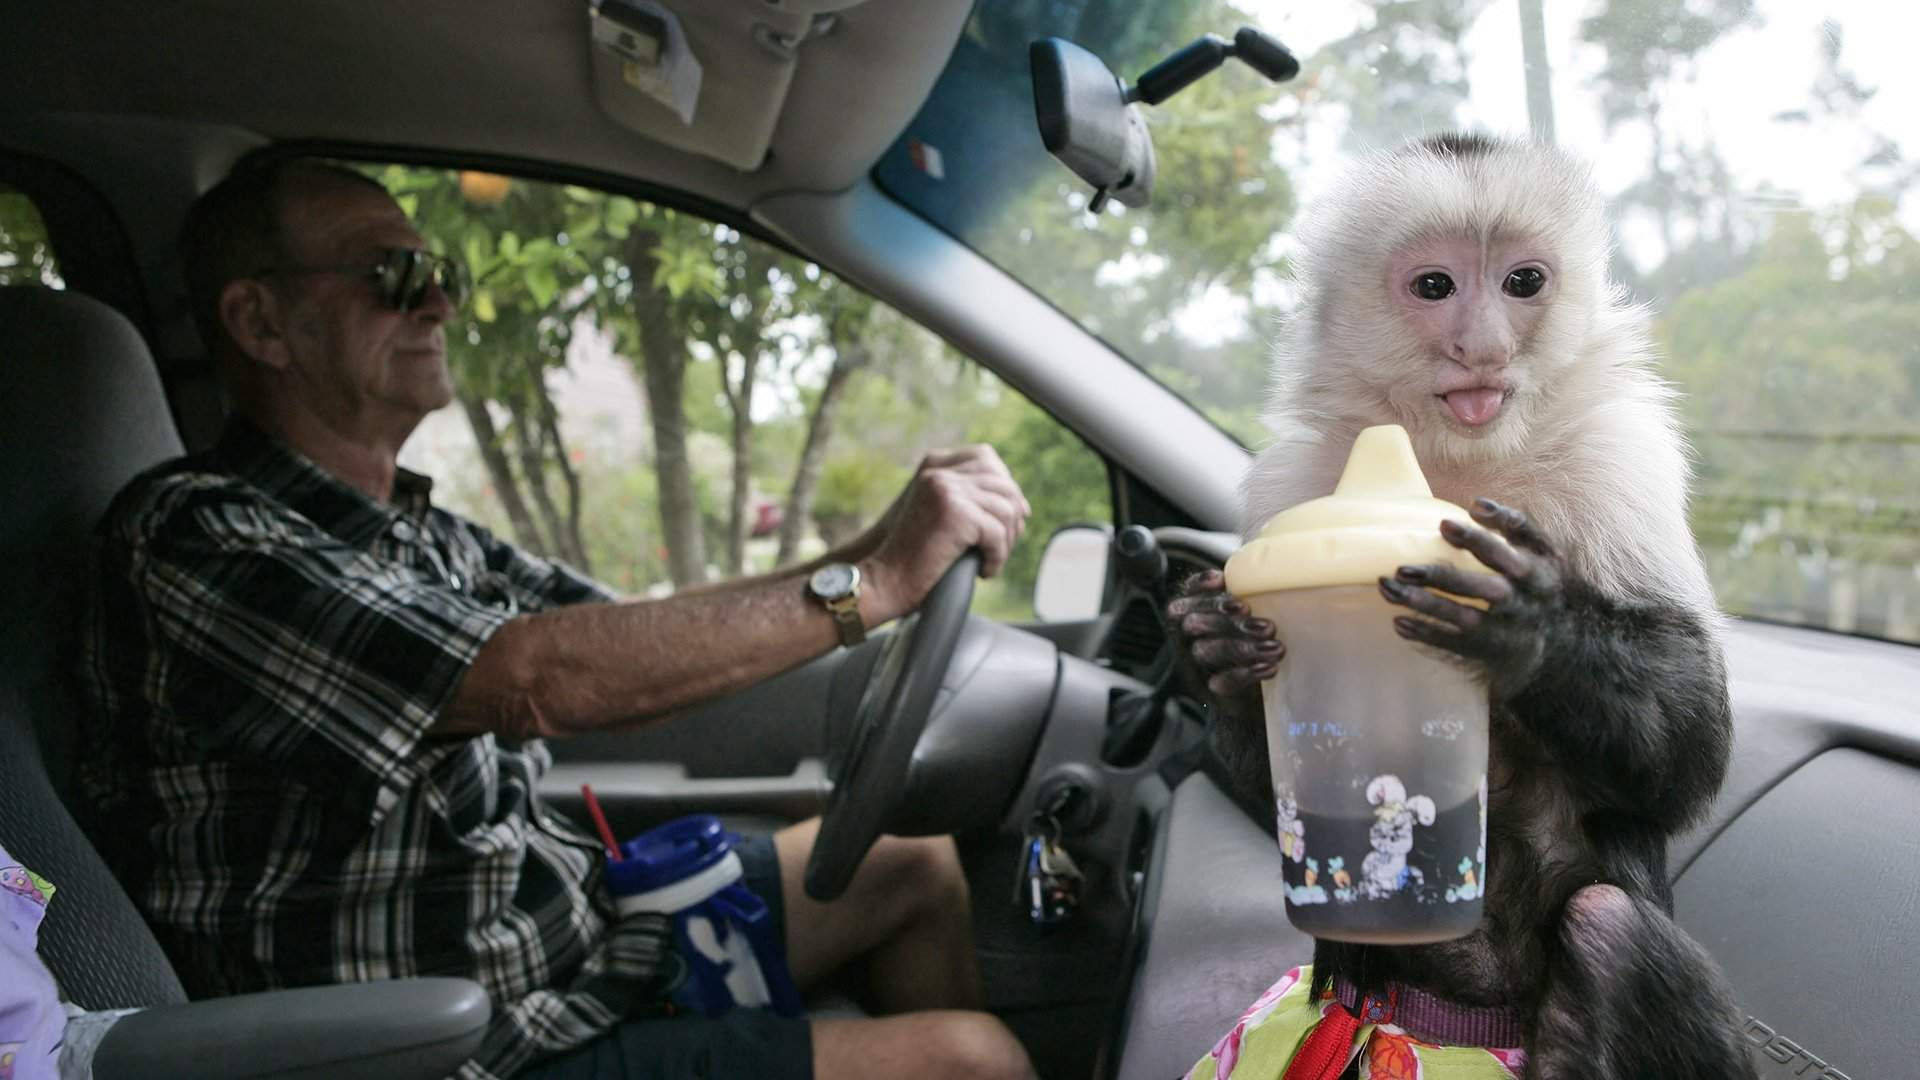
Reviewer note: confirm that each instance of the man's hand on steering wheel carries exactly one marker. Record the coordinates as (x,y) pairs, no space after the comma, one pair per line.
(957,499)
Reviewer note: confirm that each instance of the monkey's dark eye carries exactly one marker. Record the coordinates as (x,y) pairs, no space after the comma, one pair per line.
(1524,282)
(1433,285)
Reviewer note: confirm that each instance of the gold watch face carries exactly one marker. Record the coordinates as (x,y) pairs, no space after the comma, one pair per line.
(833,581)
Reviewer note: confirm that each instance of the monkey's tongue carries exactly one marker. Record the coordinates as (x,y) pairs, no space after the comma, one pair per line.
(1476,406)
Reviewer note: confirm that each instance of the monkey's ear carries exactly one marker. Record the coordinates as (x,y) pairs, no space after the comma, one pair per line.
(256,321)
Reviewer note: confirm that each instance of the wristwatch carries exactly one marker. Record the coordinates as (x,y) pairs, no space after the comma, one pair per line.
(837,587)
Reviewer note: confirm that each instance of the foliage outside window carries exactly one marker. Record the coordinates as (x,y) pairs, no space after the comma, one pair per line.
(1763,168)
(660,400)
(26,258)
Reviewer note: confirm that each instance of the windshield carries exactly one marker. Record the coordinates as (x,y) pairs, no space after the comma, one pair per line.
(1760,158)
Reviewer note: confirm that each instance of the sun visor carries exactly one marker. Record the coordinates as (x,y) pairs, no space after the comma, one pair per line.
(706,76)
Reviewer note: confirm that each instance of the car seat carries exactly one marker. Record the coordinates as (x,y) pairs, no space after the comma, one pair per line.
(81,412)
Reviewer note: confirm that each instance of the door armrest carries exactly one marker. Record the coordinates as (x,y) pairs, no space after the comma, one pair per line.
(399,1028)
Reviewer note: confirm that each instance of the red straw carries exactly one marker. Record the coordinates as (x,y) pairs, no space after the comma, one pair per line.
(600,822)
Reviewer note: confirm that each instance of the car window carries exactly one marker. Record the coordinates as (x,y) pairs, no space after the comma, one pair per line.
(1759,155)
(26,258)
(660,400)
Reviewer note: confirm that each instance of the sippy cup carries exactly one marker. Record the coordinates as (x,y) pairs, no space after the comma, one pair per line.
(1378,745)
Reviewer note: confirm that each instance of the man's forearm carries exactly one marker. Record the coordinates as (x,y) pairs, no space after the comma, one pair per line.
(794,572)
(578,669)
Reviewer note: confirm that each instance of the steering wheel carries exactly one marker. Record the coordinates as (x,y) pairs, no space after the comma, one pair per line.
(871,776)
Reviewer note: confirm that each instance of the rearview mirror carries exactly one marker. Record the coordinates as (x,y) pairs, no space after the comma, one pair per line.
(1089,121)
(1086,122)
(1071,584)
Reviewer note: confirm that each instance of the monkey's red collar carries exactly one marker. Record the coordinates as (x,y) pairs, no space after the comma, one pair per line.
(1329,1046)
(1433,1018)
(1285,1033)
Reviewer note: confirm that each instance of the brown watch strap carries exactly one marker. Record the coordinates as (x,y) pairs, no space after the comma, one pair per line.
(846,619)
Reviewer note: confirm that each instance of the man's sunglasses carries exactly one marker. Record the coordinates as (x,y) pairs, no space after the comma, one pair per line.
(401,275)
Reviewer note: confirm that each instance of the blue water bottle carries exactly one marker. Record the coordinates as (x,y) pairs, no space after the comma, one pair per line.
(687,869)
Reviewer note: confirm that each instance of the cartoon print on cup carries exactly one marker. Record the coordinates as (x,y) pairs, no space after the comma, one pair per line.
(1343,890)
(1473,871)
(1385,870)
(1293,832)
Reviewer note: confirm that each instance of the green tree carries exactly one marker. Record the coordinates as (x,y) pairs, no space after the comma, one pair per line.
(1650,45)
(512,334)
(1803,385)
(26,258)
(856,328)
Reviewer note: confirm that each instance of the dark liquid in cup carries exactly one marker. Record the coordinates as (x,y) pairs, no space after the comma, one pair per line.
(1429,896)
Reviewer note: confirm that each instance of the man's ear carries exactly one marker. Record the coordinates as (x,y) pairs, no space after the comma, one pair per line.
(256,320)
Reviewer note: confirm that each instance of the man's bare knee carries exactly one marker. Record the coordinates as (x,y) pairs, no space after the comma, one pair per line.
(972,1044)
(924,871)
(937,1045)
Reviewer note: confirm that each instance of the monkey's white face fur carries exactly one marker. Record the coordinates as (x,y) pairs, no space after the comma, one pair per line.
(1449,292)
(1457,286)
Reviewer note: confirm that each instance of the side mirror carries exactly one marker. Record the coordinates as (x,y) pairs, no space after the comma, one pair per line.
(1072,581)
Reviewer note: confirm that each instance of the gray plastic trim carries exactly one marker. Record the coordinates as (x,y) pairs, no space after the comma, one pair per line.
(637,794)
(1217,933)
(1807,901)
(402,1028)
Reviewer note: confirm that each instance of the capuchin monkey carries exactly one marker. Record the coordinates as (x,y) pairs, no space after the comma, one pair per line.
(1458,287)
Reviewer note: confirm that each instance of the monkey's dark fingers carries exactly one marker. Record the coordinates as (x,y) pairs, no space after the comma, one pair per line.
(1235,681)
(1427,632)
(1519,529)
(1222,656)
(1200,626)
(1494,552)
(1448,578)
(1205,592)
(1431,604)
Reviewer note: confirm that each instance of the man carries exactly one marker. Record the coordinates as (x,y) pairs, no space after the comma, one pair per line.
(323,698)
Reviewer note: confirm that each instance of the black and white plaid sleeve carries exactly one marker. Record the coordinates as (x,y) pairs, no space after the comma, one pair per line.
(298,649)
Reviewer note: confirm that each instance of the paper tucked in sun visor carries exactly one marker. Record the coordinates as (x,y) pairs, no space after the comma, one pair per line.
(707,76)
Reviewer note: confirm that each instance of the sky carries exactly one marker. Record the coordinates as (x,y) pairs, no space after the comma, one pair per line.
(1731,98)
(1738,86)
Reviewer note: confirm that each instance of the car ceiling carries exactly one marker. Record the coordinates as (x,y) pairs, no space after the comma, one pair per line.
(505,79)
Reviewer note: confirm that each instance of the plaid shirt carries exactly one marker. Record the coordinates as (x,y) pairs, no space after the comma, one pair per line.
(266,654)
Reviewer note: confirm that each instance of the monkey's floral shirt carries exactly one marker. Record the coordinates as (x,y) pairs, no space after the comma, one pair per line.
(1264,1041)
(266,657)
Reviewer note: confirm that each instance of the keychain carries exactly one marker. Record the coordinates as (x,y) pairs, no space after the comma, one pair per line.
(1049,880)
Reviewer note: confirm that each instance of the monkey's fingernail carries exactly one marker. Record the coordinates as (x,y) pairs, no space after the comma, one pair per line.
(1486,506)
(1271,646)
(1404,626)
(1255,626)
(1234,607)
(1414,574)
(1393,588)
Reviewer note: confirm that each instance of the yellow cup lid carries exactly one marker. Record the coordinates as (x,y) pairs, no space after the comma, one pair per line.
(1380,517)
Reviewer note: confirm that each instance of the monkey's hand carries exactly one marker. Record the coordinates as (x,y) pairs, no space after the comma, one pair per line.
(1525,598)
(1630,695)
(1231,652)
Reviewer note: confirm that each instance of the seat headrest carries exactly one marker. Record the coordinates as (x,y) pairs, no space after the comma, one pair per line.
(81,408)
(81,413)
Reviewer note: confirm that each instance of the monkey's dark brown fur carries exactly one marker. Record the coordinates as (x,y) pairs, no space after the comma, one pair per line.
(1600,644)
